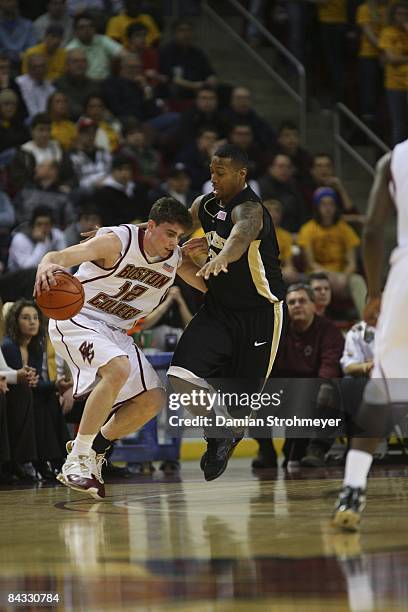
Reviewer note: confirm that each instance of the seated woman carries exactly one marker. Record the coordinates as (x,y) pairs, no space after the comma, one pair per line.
(329,245)
(22,346)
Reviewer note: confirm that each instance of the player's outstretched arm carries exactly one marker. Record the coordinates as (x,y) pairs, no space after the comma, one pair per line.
(188,272)
(95,249)
(248,221)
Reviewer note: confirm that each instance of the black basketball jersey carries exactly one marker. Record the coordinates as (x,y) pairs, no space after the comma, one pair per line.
(255,280)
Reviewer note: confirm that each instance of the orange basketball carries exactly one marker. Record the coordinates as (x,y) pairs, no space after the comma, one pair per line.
(64,300)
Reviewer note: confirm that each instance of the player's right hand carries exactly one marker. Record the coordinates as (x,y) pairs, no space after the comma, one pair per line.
(372,311)
(45,279)
(195,246)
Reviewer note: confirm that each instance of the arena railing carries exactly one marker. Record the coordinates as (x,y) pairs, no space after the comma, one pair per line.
(341,144)
(299,95)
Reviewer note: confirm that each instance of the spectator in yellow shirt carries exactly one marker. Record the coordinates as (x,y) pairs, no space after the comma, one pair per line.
(332,16)
(329,245)
(371,17)
(51,49)
(117,26)
(108,132)
(285,242)
(394,43)
(62,129)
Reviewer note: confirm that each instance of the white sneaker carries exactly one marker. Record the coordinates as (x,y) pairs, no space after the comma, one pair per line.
(81,473)
(100,460)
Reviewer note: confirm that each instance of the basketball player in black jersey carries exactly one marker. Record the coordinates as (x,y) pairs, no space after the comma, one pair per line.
(236,333)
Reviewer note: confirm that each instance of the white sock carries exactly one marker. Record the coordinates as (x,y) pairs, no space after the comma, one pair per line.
(358,465)
(83,444)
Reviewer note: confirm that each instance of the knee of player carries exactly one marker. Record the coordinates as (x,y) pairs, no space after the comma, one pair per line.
(117,371)
(155,400)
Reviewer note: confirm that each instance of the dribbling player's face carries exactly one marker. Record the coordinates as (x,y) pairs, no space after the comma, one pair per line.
(227,180)
(162,239)
(28,322)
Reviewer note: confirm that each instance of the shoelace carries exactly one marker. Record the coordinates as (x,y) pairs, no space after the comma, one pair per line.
(100,462)
(85,464)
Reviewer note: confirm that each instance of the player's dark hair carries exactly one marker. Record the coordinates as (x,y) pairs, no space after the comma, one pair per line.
(318,276)
(13,330)
(41,211)
(240,158)
(170,210)
(301,287)
(40,119)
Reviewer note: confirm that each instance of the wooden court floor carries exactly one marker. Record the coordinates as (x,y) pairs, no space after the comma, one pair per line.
(239,543)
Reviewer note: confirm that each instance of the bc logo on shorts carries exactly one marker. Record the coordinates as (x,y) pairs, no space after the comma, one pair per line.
(87,351)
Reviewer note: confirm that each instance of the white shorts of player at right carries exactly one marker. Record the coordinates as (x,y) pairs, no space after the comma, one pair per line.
(87,344)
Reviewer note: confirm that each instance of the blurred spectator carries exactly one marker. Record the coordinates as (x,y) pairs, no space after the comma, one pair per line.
(99,49)
(178,186)
(117,26)
(330,245)
(288,142)
(278,184)
(394,43)
(32,241)
(136,36)
(45,190)
(196,157)
(51,50)
(7,213)
(185,65)
(145,158)
(63,130)
(18,284)
(119,199)
(42,147)
(371,17)
(7,82)
(88,220)
(25,345)
(13,132)
(35,88)
(168,320)
(16,34)
(56,15)
(332,16)
(204,112)
(128,94)
(75,84)
(320,284)
(285,242)
(91,164)
(108,131)
(241,110)
(75,7)
(241,135)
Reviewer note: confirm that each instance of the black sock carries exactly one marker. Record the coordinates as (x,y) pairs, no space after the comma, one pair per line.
(100,444)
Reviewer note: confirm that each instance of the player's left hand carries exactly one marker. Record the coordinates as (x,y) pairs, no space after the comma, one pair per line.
(215,266)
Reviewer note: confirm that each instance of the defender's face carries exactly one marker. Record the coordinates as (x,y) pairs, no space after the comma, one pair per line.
(226,179)
(164,238)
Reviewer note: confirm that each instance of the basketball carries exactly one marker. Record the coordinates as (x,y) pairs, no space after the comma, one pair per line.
(64,300)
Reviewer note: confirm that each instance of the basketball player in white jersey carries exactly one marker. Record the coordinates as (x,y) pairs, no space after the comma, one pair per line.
(388,384)
(126,272)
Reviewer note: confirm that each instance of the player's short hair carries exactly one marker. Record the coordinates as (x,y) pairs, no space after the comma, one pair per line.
(318,276)
(301,287)
(237,156)
(170,210)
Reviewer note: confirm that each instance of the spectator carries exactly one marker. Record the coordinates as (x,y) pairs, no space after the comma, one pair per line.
(7,82)
(288,143)
(204,112)
(13,132)
(241,110)
(51,49)
(75,7)
(91,164)
(196,157)
(285,242)
(136,36)
(146,159)
(34,87)
(330,245)
(119,199)
(45,190)
(332,16)
(278,184)
(108,130)
(89,219)
(185,65)
(55,16)
(371,17)
(7,213)
(118,25)
(42,147)
(241,135)
(75,84)
(178,186)
(168,319)
(24,345)
(99,49)
(16,34)
(394,43)
(33,240)
(320,284)
(63,130)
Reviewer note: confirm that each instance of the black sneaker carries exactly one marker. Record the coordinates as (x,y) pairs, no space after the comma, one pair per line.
(348,508)
(315,457)
(261,462)
(216,457)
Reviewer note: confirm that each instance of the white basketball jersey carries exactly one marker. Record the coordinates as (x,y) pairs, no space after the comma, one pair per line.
(133,287)
(399,171)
